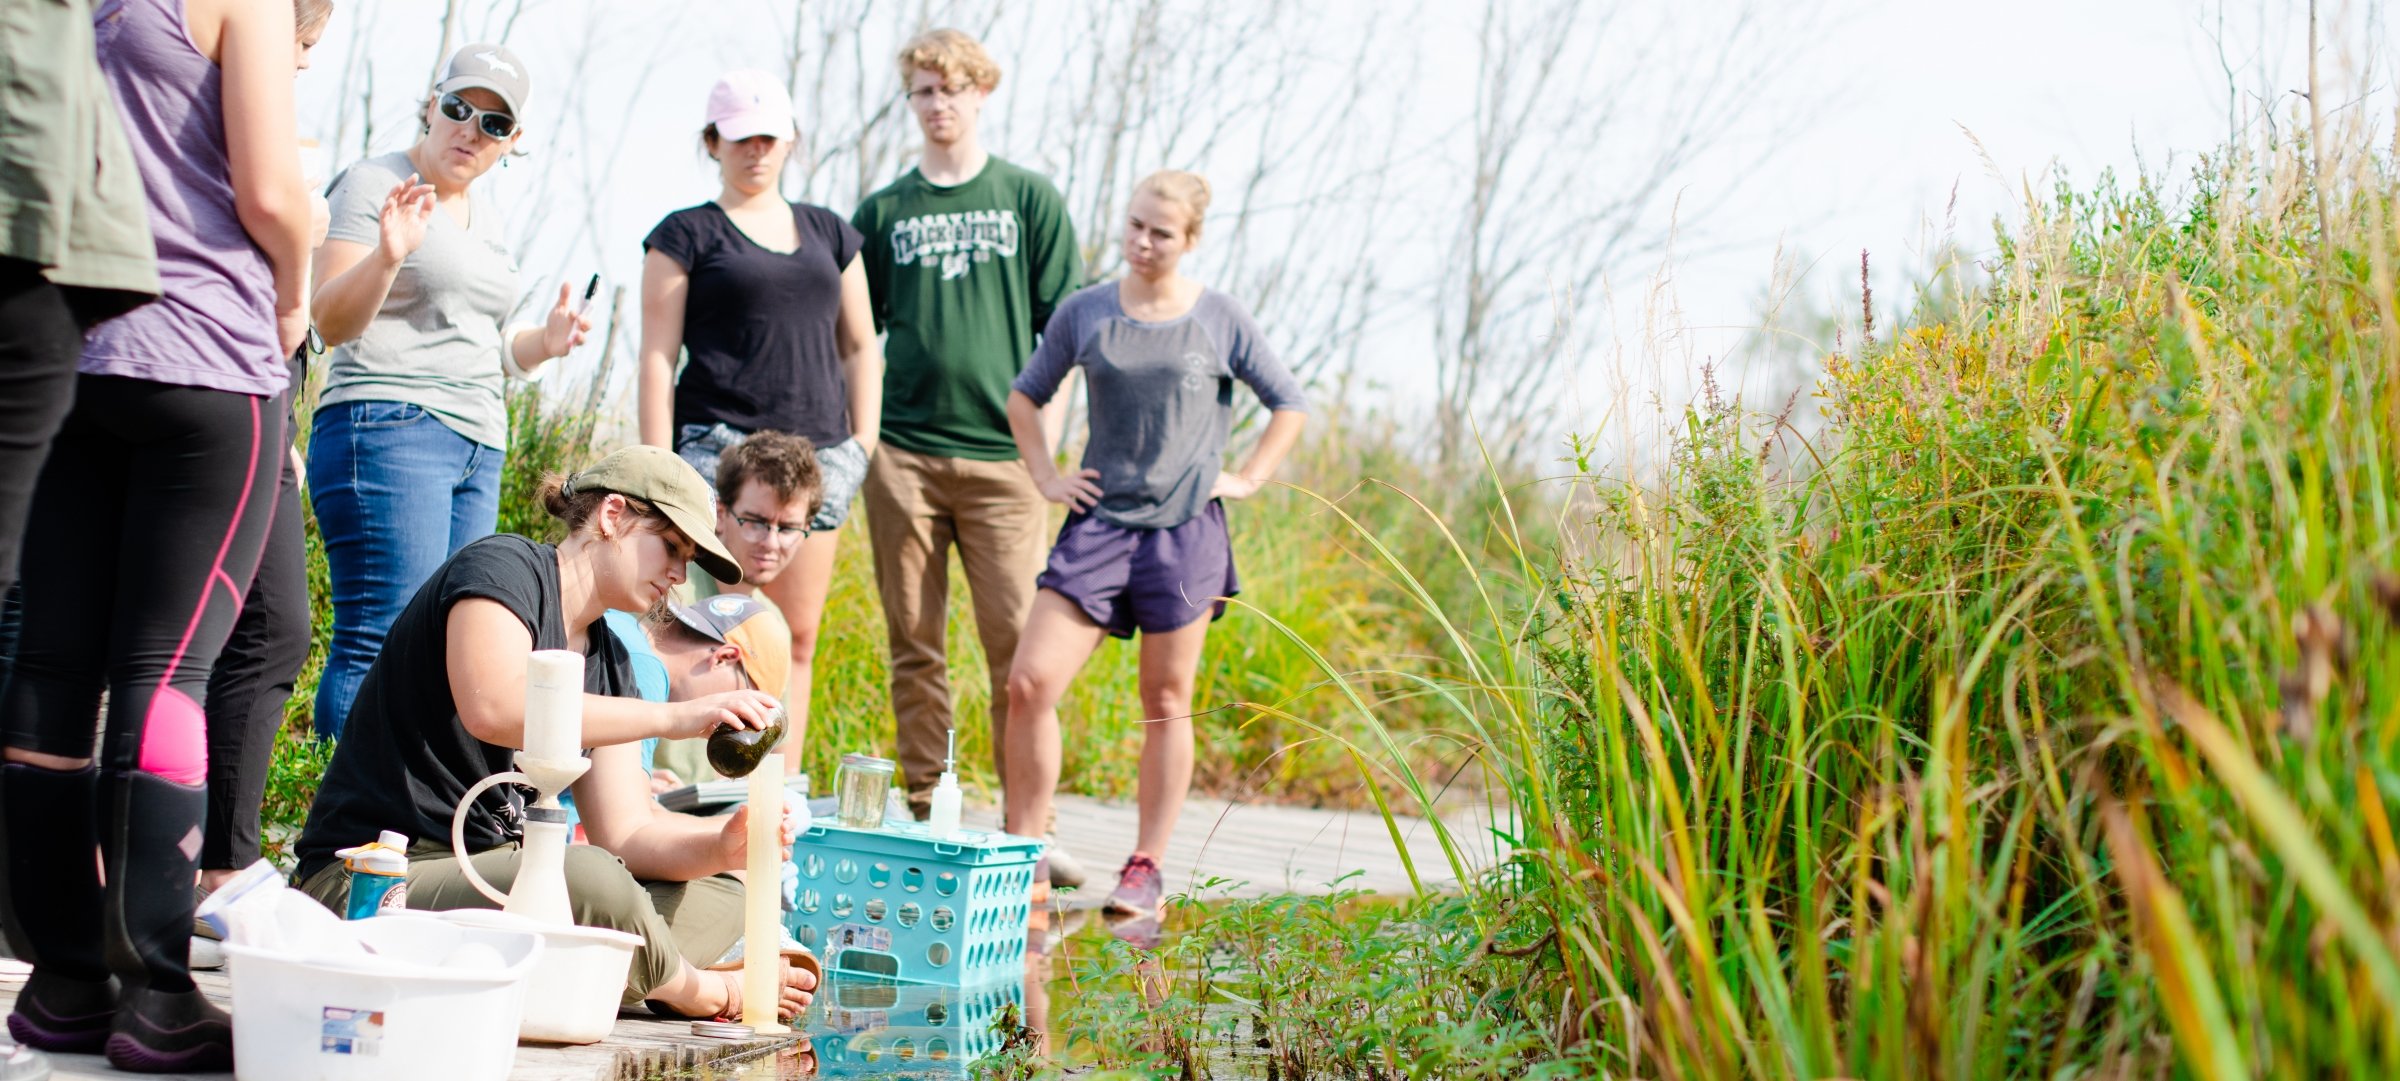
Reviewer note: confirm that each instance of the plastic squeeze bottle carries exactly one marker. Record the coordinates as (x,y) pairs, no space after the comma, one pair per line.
(378,875)
(943,817)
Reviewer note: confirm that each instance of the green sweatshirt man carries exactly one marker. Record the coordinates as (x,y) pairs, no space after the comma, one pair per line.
(963,278)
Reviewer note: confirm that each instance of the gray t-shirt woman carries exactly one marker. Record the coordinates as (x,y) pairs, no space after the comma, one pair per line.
(414,284)
(437,340)
(1161,396)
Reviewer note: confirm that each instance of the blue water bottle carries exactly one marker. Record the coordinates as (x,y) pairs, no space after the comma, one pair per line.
(378,876)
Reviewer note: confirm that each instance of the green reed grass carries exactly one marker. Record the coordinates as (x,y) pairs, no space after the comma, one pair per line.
(2044,725)
(1988,747)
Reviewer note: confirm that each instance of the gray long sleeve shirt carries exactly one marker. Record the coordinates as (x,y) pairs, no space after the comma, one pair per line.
(1161,397)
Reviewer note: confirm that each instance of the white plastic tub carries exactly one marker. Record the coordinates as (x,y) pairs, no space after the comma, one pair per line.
(419,1008)
(572,995)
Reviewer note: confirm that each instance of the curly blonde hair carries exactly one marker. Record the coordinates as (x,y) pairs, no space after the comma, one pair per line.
(952,54)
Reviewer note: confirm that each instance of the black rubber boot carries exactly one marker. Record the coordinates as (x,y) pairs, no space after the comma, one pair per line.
(163,1023)
(50,905)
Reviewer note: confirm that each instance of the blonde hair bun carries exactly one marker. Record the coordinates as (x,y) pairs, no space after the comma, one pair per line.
(1184,189)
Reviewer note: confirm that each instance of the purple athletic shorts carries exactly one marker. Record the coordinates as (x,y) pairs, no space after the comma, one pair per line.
(1152,580)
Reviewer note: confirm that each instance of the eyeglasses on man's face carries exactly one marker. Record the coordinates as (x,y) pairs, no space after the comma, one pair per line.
(498,125)
(925,96)
(759,529)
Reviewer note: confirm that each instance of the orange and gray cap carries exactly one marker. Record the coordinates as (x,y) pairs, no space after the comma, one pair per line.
(747,624)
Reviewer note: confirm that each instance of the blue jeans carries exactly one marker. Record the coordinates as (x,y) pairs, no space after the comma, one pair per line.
(396,492)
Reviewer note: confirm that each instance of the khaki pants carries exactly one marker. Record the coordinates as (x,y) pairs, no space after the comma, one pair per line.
(918,507)
(678,921)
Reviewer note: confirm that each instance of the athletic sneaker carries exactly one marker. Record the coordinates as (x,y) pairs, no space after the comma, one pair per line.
(200,897)
(1140,889)
(1142,932)
(208,954)
(1066,872)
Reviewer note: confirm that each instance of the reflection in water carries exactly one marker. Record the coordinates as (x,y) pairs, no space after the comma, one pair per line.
(1144,933)
(876,1028)
(865,1027)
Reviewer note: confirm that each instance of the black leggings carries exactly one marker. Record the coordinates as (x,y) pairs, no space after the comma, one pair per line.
(254,677)
(40,341)
(146,529)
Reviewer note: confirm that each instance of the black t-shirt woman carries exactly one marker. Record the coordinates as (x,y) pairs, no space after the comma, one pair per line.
(444,707)
(769,301)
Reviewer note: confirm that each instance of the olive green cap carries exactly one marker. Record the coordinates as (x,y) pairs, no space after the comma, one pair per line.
(657,476)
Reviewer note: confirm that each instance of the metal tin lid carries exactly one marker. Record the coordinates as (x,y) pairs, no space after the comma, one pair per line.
(867,762)
(723,1030)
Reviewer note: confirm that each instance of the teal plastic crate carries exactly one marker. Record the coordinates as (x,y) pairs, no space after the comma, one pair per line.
(896,904)
(862,1027)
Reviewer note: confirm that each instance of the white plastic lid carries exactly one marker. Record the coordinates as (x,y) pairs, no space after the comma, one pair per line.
(387,856)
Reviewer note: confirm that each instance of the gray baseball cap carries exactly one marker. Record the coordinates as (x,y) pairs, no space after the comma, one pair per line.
(488,67)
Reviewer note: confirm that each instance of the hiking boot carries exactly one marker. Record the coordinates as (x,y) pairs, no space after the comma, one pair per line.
(170,1032)
(1140,889)
(1066,872)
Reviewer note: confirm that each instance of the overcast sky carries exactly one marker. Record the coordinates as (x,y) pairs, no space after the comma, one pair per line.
(1873,104)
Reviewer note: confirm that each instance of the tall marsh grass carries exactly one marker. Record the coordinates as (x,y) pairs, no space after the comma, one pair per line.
(2043,722)
(2047,725)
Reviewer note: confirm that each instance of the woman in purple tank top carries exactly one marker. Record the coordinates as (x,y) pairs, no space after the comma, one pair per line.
(146,529)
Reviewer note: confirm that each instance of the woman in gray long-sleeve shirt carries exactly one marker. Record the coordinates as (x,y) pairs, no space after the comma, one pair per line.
(1146,548)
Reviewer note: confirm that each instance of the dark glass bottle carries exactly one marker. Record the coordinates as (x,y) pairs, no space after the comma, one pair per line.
(735,752)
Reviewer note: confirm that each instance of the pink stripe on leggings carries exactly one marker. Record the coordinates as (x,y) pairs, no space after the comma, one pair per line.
(175,729)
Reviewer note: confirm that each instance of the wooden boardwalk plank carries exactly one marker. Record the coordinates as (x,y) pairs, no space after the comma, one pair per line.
(1260,849)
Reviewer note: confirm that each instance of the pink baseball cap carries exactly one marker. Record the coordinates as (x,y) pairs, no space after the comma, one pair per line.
(748,102)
